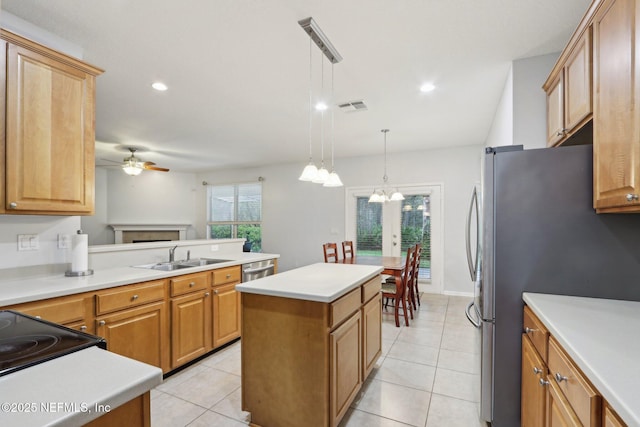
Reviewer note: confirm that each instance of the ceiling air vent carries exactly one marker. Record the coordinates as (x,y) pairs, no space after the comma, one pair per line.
(353,106)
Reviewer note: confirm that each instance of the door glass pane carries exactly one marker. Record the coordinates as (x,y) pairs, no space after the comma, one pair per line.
(368,227)
(416,228)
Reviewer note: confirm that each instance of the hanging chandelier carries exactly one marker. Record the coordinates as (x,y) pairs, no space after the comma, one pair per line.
(380,195)
(311,173)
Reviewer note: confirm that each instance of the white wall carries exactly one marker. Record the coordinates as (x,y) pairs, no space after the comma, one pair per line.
(149,198)
(298,217)
(501,132)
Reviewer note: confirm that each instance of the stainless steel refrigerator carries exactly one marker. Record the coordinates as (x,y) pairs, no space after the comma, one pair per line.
(538,232)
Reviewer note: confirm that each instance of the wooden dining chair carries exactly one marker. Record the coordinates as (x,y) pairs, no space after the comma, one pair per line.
(347,249)
(415,292)
(330,252)
(399,290)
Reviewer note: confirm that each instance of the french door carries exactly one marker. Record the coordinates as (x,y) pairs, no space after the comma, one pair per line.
(388,229)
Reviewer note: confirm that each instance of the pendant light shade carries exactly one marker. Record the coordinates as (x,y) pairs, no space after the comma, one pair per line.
(323,175)
(380,196)
(309,173)
(333,180)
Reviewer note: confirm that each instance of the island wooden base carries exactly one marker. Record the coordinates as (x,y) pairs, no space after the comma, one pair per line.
(303,362)
(134,413)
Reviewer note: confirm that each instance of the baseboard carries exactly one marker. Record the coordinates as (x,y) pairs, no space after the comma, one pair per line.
(459,294)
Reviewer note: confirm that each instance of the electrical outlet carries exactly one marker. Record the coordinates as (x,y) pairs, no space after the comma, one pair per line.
(28,242)
(64,241)
(215,248)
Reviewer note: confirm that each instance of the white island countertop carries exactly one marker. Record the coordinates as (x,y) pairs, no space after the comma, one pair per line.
(28,289)
(322,282)
(74,389)
(601,336)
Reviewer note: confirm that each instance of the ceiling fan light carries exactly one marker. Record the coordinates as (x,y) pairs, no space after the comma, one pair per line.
(323,175)
(309,173)
(131,170)
(333,180)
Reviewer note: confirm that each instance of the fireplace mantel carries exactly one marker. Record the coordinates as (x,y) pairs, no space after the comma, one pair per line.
(121,230)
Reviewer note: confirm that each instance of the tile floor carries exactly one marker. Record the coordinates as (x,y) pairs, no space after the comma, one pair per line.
(427,376)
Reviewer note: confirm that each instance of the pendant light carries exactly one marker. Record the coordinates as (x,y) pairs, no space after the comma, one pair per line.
(380,196)
(333,180)
(310,172)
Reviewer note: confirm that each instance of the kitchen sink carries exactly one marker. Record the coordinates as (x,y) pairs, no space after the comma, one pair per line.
(178,265)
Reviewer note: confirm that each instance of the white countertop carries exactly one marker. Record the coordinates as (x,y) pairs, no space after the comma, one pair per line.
(37,288)
(66,391)
(601,336)
(322,282)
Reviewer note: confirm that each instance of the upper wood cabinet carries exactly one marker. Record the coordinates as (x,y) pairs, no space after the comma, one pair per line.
(48,130)
(616,125)
(568,88)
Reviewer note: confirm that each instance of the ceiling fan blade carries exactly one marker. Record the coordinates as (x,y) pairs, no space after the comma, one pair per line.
(154,168)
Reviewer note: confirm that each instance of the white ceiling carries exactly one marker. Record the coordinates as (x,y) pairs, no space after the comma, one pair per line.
(238,72)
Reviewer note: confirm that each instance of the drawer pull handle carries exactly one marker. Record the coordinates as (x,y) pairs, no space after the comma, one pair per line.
(83,328)
(543,382)
(13,205)
(228,276)
(529,330)
(560,377)
(135,297)
(192,284)
(632,197)
(102,323)
(536,370)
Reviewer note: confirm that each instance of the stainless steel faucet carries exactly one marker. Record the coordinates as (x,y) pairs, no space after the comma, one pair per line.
(172,253)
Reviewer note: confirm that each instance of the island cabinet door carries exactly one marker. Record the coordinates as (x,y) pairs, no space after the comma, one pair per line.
(372,334)
(141,333)
(346,366)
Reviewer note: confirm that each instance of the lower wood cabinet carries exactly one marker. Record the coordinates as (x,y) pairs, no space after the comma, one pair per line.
(226,314)
(140,333)
(371,333)
(534,393)
(190,327)
(559,411)
(346,365)
(611,419)
(134,413)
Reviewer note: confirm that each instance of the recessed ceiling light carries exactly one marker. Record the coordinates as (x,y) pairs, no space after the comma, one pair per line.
(321,106)
(159,86)
(427,87)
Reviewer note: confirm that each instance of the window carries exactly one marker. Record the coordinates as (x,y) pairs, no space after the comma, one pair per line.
(235,211)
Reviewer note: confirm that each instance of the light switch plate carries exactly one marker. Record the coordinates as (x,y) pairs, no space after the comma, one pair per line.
(28,242)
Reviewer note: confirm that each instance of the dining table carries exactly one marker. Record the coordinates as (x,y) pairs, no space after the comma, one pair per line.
(392,266)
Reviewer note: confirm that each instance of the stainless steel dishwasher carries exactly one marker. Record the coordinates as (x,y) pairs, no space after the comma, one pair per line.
(257,270)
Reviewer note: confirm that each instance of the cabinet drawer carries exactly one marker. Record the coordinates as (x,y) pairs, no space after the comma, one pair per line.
(226,275)
(537,333)
(582,397)
(57,310)
(371,288)
(129,296)
(189,283)
(344,307)
(611,419)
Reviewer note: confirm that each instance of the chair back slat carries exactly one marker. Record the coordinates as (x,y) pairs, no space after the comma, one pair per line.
(347,249)
(330,252)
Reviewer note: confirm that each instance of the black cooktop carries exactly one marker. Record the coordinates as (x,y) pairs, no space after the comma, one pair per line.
(26,341)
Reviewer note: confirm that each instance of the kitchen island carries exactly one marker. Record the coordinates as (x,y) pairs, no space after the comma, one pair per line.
(310,337)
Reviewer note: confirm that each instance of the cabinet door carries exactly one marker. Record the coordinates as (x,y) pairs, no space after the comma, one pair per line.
(616,143)
(141,333)
(555,111)
(49,135)
(534,394)
(226,314)
(372,333)
(578,106)
(611,419)
(345,368)
(190,327)
(559,412)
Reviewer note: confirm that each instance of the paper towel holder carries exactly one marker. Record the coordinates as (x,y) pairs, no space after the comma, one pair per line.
(70,273)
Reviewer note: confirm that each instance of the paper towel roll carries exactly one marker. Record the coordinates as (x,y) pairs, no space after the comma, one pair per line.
(80,253)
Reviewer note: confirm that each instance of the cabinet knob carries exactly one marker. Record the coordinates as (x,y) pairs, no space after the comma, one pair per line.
(632,197)
(229,275)
(13,205)
(543,382)
(102,323)
(529,330)
(135,297)
(560,377)
(206,294)
(83,328)
(38,317)
(191,284)
(536,370)
(215,291)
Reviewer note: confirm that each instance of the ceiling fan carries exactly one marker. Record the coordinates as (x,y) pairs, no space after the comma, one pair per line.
(133,166)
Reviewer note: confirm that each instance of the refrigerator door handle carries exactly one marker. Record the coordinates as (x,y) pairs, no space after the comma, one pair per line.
(473,264)
(467,311)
